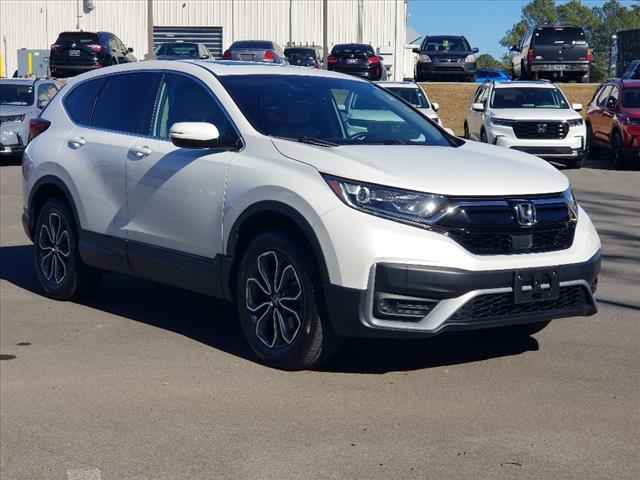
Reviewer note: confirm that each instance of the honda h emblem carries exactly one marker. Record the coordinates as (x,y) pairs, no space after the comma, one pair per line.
(525,214)
(542,128)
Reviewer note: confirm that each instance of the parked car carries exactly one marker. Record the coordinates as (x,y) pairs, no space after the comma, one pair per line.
(491,75)
(180,50)
(415,96)
(553,52)
(255,184)
(78,52)
(304,56)
(255,51)
(613,121)
(357,59)
(21,99)
(533,117)
(445,57)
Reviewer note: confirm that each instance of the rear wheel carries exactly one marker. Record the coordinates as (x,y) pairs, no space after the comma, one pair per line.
(279,305)
(576,163)
(617,151)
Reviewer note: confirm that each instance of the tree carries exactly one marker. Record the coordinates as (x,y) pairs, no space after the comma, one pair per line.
(488,61)
(534,13)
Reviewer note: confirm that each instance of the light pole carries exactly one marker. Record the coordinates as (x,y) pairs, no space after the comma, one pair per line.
(325,34)
(150,52)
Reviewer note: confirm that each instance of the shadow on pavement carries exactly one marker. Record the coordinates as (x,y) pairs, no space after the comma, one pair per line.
(213,323)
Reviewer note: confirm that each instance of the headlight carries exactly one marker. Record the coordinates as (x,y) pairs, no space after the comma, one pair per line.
(575,122)
(400,205)
(571,203)
(12,118)
(502,121)
(470,59)
(424,58)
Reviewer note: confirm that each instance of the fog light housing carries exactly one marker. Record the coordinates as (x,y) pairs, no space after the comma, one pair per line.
(402,308)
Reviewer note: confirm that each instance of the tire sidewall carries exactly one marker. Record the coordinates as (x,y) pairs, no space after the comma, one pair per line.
(301,353)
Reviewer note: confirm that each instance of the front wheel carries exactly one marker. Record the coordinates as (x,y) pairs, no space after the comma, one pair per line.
(617,150)
(278,304)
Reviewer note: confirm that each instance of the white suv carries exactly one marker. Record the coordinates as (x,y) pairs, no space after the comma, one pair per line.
(533,117)
(253,183)
(413,94)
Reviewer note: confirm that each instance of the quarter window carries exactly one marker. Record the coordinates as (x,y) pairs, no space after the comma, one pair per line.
(182,99)
(126,103)
(80,101)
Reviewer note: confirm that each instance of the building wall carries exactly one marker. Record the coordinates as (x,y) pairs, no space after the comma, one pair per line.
(36,23)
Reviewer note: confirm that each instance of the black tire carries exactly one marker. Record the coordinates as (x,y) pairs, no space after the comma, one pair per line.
(576,163)
(523,72)
(617,151)
(466,134)
(60,271)
(296,337)
(483,136)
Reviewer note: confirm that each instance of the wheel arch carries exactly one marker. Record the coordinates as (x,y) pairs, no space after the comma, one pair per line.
(47,187)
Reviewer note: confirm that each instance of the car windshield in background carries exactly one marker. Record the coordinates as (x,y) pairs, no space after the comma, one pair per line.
(253,44)
(329,111)
(352,49)
(522,97)
(16,94)
(446,44)
(413,96)
(559,36)
(631,98)
(188,50)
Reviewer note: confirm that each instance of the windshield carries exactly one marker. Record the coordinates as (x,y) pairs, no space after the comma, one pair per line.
(523,97)
(559,36)
(446,44)
(354,49)
(255,44)
(332,110)
(413,96)
(13,94)
(631,97)
(189,50)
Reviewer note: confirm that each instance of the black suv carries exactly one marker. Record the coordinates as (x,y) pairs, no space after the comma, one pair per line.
(78,52)
(445,57)
(357,59)
(553,52)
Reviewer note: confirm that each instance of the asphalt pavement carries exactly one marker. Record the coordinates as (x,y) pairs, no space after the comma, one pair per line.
(151,382)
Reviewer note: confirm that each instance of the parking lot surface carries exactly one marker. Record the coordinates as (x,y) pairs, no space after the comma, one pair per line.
(151,382)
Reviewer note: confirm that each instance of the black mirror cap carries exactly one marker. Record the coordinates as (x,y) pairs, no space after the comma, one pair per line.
(416,50)
(475,50)
(130,50)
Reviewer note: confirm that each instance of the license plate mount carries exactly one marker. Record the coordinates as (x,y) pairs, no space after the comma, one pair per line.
(539,285)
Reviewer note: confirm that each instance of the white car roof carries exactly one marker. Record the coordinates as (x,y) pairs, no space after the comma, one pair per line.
(531,84)
(230,67)
(398,84)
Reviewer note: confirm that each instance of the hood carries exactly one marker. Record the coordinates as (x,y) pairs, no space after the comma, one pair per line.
(14,109)
(535,114)
(473,169)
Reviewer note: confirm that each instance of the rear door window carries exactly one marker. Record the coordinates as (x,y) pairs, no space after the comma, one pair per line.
(80,101)
(126,103)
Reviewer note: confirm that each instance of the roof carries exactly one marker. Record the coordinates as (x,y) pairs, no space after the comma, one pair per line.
(630,83)
(398,84)
(230,67)
(526,83)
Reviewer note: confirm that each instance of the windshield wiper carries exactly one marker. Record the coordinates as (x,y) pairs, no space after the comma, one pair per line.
(316,141)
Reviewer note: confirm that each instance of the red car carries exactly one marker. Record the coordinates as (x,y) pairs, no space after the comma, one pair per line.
(613,121)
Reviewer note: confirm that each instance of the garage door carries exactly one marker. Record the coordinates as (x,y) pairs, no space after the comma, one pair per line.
(210,36)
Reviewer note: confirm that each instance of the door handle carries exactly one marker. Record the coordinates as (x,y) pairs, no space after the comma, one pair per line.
(76,142)
(140,151)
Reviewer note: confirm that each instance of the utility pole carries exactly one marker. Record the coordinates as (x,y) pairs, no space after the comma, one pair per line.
(290,23)
(325,30)
(150,50)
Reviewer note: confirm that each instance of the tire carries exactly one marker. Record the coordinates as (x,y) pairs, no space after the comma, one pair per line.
(525,330)
(60,271)
(576,163)
(617,151)
(466,134)
(483,136)
(295,337)
(523,72)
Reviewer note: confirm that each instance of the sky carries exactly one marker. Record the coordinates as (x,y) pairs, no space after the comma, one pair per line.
(483,22)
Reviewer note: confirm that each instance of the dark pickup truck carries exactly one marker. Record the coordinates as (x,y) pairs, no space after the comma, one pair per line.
(552,52)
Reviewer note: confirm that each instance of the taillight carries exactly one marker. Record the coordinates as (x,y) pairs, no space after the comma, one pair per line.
(331,60)
(589,55)
(373,60)
(54,46)
(226,55)
(36,127)
(530,56)
(95,48)
(268,56)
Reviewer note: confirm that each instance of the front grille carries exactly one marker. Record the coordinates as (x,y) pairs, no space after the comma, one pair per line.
(541,130)
(501,306)
(490,226)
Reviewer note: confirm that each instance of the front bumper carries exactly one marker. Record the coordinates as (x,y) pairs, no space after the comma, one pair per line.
(445,69)
(458,299)
(572,146)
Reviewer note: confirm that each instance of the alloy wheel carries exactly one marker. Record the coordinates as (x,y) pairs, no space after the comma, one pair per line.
(274,298)
(54,245)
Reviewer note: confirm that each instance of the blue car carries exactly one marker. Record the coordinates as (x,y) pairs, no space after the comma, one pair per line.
(491,75)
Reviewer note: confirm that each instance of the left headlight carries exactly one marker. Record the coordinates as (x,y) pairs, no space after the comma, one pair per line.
(505,122)
(470,58)
(395,204)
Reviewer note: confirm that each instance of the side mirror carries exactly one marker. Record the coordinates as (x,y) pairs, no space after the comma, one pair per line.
(204,57)
(416,50)
(450,131)
(478,107)
(435,106)
(194,135)
(130,50)
(577,107)
(475,50)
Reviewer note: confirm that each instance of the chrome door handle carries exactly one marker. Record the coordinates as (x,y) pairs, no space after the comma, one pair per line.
(140,151)
(76,142)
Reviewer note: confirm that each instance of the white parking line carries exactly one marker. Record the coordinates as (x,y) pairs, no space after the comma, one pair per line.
(84,474)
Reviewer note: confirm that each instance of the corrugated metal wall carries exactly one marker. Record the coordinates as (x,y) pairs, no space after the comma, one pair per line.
(36,23)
